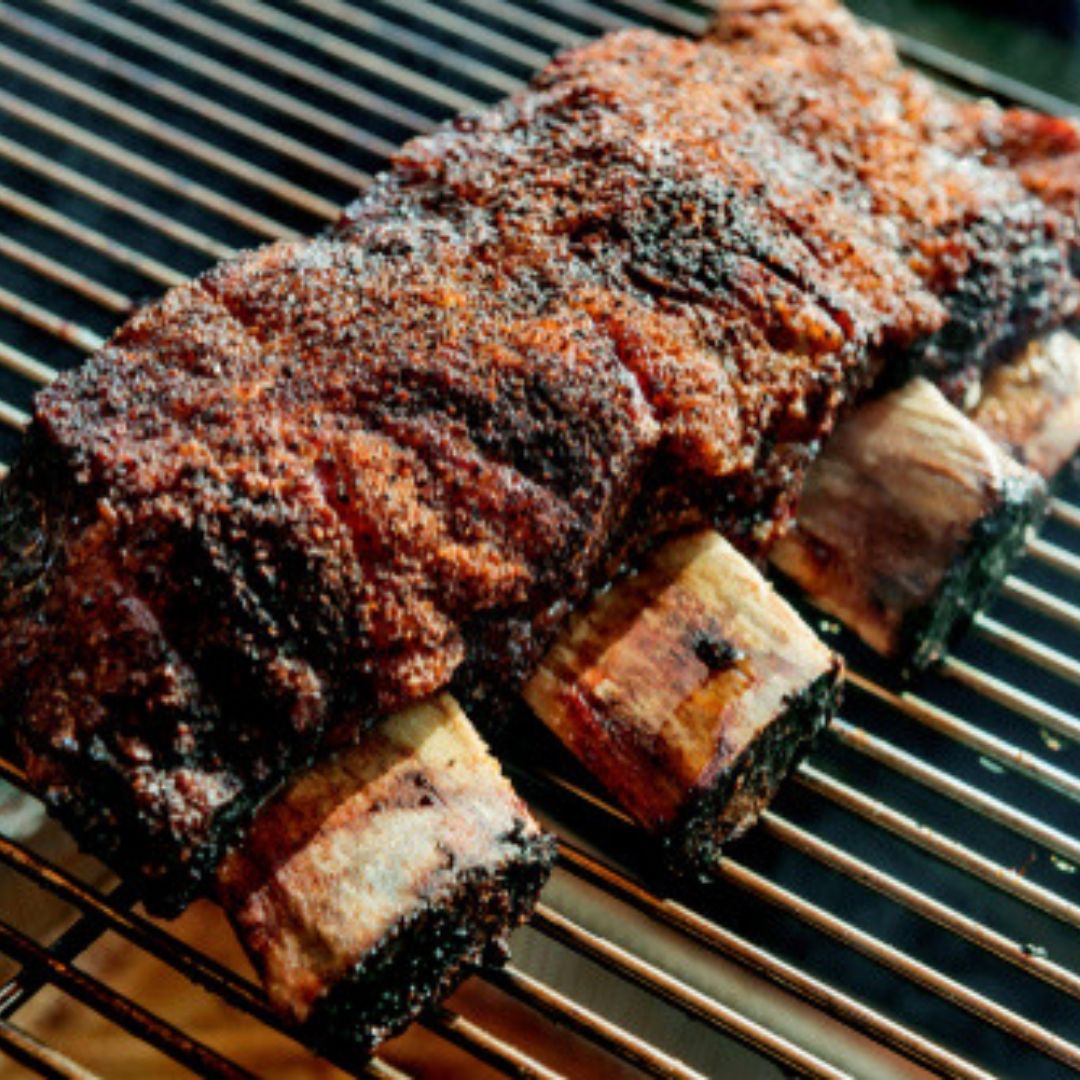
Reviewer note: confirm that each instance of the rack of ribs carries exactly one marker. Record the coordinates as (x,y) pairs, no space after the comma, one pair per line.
(331,478)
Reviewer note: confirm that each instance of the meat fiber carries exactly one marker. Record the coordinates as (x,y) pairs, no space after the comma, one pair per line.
(329,477)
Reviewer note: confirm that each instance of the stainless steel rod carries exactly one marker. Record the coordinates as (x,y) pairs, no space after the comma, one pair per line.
(229,77)
(484,1046)
(685,997)
(1065,512)
(527,20)
(851,1010)
(1019,954)
(959,791)
(42,1059)
(362,59)
(1039,600)
(186,98)
(58,273)
(353,94)
(902,963)
(470,30)
(120,253)
(1047,716)
(1023,645)
(19,363)
(63,329)
(495,79)
(89,188)
(153,127)
(1053,555)
(128,1014)
(183,187)
(951,851)
(967,734)
(564,1010)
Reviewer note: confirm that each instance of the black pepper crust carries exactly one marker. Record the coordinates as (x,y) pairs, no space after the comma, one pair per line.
(432,951)
(328,476)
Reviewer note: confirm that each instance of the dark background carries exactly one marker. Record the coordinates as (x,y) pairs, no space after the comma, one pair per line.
(1037,41)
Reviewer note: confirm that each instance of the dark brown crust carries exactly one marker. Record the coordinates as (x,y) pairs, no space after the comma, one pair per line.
(377,879)
(994,244)
(328,476)
(427,955)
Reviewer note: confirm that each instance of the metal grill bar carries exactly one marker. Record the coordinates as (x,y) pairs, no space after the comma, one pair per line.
(151,126)
(678,993)
(362,59)
(112,913)
(33,210)
(485,1047)
(565,1011)
(96,995)
(1036,599)
(12,417)
(674,16)
(108,913)
(187,99)
(229,78)
(35,1055)
(901,893)
(555,33)
(1019,701)
(22,365)
(682,918)
(492,77)
(1066,513)
(284,63)
(599,19)
(60,328)
(914,970)
(876,949)
(941,783)
(976,79)
(181,186)
(1049,659)
(75,940)
(468,30)
(52,270)
(952,727)
(1052,555)
(107,197)
(948,850)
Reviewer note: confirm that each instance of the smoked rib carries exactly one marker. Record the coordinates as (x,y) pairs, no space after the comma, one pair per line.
(330,477)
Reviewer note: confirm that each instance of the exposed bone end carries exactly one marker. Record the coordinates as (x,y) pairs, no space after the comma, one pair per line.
(376,880)
(1031,405)
(908,522)
(688,689)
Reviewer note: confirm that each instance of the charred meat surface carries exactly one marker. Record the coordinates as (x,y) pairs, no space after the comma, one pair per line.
(329,477)
(689,690)
(999,259)
(375,881)
(909,521)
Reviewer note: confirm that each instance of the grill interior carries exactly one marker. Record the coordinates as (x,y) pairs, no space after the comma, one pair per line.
(911,900)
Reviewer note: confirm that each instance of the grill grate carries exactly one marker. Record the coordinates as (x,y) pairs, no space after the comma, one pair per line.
(916,882)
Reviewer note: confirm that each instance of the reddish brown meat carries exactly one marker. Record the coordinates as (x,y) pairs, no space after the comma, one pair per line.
(911,154)
(329,476)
